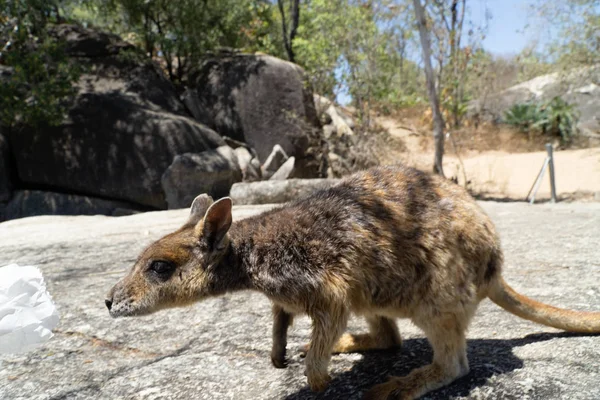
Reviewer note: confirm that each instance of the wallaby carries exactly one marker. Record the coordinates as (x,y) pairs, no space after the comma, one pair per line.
(387,243)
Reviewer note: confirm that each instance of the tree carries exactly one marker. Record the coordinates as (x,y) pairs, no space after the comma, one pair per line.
(182,32)
(360,48)
(454,29)
(574,39)
(288,39)
(40,77)
(438,119)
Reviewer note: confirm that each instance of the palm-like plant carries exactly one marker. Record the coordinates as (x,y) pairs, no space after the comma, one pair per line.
(559,118)
(522,116)
(555,117)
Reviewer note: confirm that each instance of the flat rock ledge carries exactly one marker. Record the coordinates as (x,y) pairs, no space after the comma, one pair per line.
(219,349)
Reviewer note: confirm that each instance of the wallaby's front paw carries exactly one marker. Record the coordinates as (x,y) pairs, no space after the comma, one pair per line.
(278,361)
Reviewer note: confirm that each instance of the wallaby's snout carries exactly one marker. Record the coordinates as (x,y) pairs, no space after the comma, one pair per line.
(108,300)
(117,302)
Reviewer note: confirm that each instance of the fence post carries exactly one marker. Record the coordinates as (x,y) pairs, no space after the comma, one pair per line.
(551,165)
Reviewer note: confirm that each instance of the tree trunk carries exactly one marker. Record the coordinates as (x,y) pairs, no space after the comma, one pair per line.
(438,120)
(454,61)
(294,21)
(402,52)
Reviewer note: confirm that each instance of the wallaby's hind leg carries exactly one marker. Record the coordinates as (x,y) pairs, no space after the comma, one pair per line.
(446,333)
(383,334)
(281,322)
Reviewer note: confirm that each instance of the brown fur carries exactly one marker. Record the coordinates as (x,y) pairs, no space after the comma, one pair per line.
(386,243)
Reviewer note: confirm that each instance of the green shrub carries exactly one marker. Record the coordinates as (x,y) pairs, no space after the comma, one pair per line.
(40,77)
(555,117)
(559,118)
(523,116)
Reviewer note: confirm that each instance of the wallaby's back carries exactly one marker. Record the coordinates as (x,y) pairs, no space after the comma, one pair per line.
(391,236)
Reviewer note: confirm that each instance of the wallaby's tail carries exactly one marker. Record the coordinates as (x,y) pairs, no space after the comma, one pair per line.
(568,320)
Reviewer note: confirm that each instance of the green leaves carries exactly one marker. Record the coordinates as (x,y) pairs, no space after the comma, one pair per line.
(555,117)
(40,81)
(576,24)
(559,119)
(523,116)
(183,32)
(361,48)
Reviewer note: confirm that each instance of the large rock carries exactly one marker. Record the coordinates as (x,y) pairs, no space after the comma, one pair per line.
(219,348)
(5,172)
(27,203)
(263,101)
(578,86)
(285,171)
(249,165)
(276,191)
(190,174)
(274,161)
(122,131)
(340,123)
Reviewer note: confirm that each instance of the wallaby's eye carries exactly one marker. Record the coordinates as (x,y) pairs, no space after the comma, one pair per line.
(162,269)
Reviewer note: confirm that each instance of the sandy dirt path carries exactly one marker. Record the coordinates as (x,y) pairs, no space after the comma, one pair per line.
(505,175)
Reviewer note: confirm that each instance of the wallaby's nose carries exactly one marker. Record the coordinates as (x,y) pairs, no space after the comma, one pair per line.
(108,303)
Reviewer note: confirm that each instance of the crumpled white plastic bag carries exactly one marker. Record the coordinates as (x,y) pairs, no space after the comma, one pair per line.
(27,313)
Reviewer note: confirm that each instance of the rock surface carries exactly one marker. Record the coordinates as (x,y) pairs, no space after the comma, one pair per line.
(285,171)
(27,203)
(262,101)
(337,122)
(121,133)
(219,349)
(212,172)
(274,161)
(275,191)
(249,164)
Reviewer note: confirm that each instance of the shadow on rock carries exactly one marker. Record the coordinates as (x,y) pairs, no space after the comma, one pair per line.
(487,357)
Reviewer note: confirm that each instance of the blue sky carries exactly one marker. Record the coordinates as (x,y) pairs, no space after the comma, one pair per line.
(506,30)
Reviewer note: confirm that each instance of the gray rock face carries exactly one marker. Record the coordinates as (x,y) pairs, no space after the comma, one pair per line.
(335,121)
(219,349)
(121,133)
(578,86)
(285,171)
(5,177)
(26,203)
(191,102)
(276,158)
(262,101)
(338,123)
(249,165)
(276,191)
(212,172)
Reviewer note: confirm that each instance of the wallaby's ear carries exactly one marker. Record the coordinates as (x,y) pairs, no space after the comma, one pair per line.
(217,221)
(199,207)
